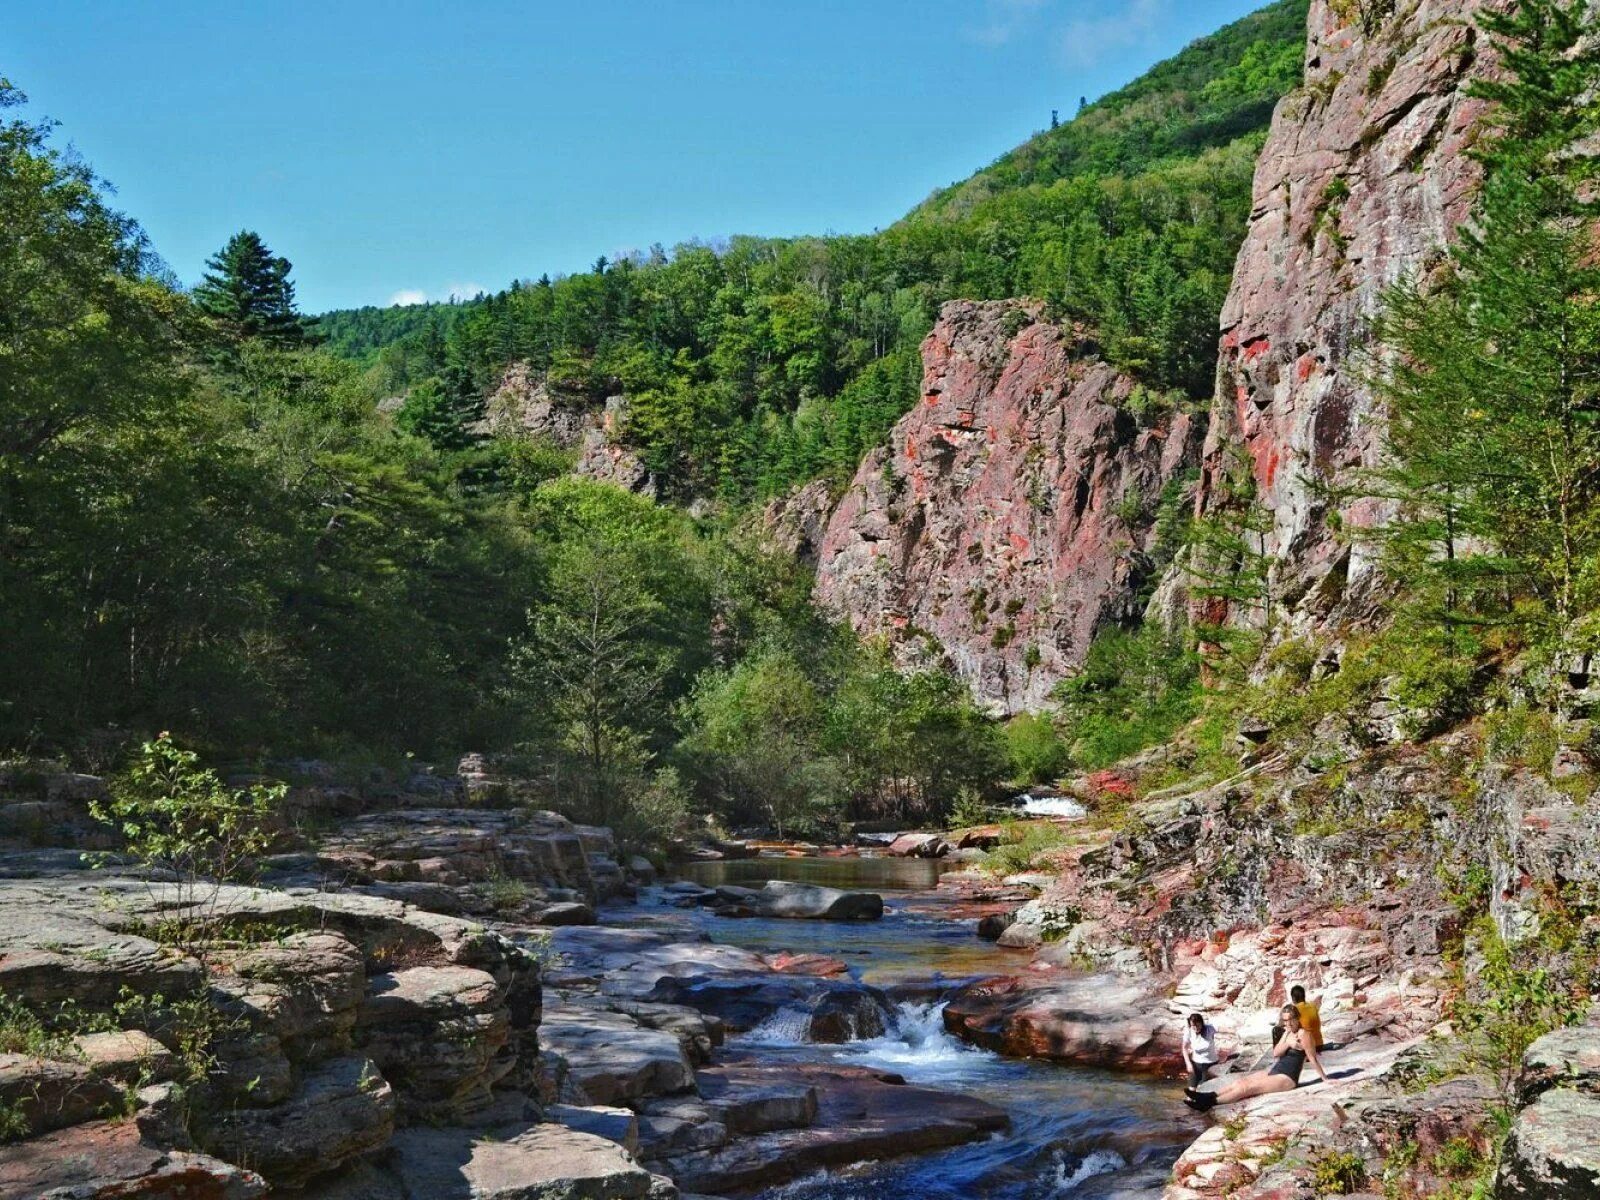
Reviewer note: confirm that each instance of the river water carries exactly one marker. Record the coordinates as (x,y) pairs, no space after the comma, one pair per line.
(1075,1132)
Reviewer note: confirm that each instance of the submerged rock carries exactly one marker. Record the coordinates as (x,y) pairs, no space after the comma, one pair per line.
(859,1114)
(784,900)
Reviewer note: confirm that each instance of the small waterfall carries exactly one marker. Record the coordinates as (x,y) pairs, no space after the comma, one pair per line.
(919,1048)
(1096,1162)
(1052,806)
(785,1027)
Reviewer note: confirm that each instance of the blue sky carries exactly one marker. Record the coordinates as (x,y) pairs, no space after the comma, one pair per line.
(404,149)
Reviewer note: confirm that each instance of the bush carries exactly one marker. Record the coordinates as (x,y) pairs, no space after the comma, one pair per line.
(177,817)
(1135,689)
(1022,845)
(1338,1172)
(1513,1003)
(1035,749)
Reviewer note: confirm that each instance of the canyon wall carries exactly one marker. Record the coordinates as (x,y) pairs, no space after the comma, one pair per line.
(1363,180)
(1014,511)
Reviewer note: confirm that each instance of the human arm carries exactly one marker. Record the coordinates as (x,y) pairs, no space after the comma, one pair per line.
(1307,1043)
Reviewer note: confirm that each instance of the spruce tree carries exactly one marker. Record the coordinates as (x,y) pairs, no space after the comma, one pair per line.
(247,290)
(1494,386)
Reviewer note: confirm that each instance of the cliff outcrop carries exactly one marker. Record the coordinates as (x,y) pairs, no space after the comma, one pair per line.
(1014,511)
(1363,180)
(529,404)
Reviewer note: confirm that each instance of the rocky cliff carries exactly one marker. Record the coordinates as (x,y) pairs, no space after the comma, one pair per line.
(1013,511)
(529,404)
(1363,179)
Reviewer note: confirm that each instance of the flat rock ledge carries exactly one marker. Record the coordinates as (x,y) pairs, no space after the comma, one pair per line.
(518,1162)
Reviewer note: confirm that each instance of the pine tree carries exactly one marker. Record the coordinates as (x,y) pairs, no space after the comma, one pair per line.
(441,409)
(247,290)
(1494,388)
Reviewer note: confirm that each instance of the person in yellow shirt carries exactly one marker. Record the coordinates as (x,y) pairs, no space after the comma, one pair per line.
(1310,1014)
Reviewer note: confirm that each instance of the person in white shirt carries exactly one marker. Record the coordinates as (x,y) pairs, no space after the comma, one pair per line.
(1199,1048)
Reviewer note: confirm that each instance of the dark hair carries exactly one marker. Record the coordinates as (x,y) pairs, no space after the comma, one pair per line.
(1197,1022)
(1297,994)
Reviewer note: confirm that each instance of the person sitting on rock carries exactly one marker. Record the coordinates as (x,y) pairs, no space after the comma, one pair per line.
(1310,1013)
(1199,1048)
(1292,1051)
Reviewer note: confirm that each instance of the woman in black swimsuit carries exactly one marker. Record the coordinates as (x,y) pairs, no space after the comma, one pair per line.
(1293,1051)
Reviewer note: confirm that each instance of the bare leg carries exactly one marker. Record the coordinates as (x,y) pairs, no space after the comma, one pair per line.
(1257,1083)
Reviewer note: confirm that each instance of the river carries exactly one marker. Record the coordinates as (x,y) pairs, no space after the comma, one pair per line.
(1074,1132)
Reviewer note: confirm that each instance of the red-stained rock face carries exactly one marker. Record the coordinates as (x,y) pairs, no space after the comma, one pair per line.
(1011,513)
(1363,179)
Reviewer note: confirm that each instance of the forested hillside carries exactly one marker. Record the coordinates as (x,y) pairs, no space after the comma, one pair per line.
(756,364)
(212,525)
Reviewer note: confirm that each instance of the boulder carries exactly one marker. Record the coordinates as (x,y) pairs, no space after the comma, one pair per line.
(1563,1058)
(918,845)
(303,989)
(859,1115)
(678,1125)
(992,925)
(529,1162)
(572,912)
(111,1160)
(612,1058)
(1553,1152)
(128,1056)
(787,963)
(341,1110)
(440,1035)
(1096,1020)
(47,1094)
(619,1125)
(806,901)
(742,1001)
(848,1013)
(746,1102)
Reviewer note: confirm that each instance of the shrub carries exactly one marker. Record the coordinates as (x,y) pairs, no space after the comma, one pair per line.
(1514,1003)
(1338,1172)
(1022,845)
(179,818)
(1035,749)
(1135,689)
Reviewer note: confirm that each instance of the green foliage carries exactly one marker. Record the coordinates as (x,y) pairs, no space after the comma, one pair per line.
(757,731)
(189,1026)
(1135,689)
(1035,748)
(1493,384)
(1512,1001)
(1368,14)
(803,743)
(176,816)
(248,293)
(757,364)
(1522,735)
(440,411)
(23,1031)
(1023,846)
(909,743)
(1337,1172)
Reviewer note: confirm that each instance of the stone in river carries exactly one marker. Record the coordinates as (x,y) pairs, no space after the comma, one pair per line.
(808,901)
(918,845)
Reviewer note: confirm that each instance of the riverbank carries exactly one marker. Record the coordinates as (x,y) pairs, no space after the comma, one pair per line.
(431,999)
